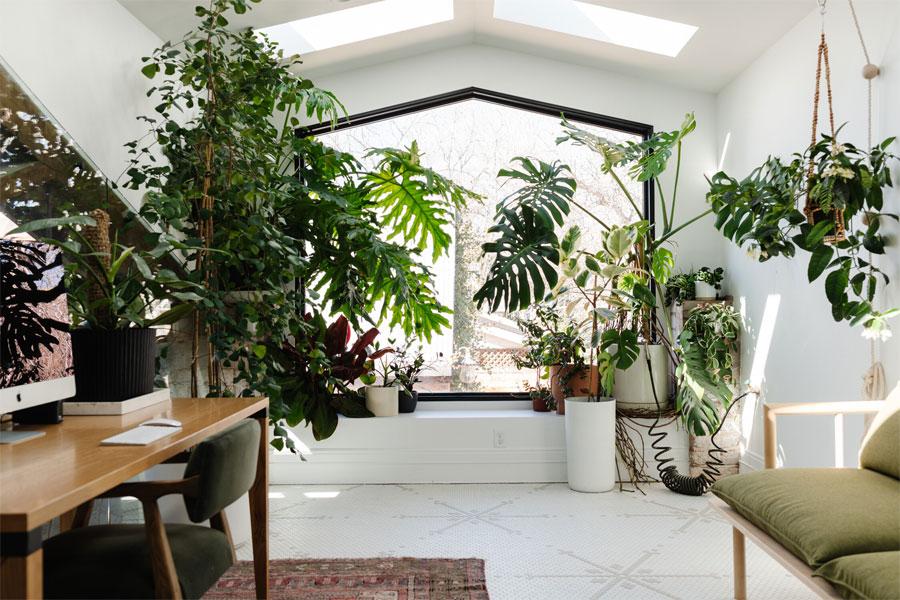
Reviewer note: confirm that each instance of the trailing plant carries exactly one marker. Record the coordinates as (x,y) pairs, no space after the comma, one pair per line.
(708,344)
(760,213)
(316,373)
(252,206)
(109,285)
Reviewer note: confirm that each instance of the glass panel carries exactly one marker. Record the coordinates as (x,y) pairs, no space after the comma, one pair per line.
(470,142)
(42,172)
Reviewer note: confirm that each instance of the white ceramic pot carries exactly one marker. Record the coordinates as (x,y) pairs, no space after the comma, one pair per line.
(704,291)
(591,443)
(633,389)
(383,401)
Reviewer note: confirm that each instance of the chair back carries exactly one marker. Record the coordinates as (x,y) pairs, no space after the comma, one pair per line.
(226,466)
(881,447)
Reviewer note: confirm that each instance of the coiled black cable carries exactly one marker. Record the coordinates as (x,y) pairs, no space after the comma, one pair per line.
(668,473)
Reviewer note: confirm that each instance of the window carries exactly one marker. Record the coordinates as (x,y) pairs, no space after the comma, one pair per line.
(469,136)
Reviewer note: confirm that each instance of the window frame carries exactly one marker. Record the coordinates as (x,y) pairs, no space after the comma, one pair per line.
(528,104)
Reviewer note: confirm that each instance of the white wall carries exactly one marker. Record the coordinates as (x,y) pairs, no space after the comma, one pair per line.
(806,356)
(566,84)
(81,59)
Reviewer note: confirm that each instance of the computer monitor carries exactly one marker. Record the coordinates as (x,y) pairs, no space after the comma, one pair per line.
(35,346)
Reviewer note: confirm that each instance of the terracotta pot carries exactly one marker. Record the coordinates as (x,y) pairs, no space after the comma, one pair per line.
(539,405)
(583,382)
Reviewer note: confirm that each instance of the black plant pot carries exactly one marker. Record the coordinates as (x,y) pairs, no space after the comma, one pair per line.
(408,402)
(111,366)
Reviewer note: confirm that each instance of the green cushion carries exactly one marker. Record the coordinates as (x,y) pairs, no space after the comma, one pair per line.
(881,447)
(819,514)
(872,576)
(113,561)
(226,464)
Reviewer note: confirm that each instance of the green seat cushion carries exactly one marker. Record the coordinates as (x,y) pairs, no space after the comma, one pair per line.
(881,448)
(113,561)
(870,576)
(819,514)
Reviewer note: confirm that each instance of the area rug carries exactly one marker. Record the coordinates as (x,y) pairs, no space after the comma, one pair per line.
(359,579)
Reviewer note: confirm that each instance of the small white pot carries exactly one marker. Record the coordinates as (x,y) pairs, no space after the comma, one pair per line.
(704,291)
(591,443)
(383,401)
(633,388)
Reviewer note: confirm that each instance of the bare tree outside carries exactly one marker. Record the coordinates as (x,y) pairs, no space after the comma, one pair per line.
(470,142)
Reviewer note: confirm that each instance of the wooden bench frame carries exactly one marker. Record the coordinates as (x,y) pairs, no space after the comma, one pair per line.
(742,528)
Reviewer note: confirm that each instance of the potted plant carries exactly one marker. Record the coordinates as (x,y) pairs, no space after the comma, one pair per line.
(680,288)
(591,436)
(541,398)
(382,400)
(405,367)
(117,294)
(708,283)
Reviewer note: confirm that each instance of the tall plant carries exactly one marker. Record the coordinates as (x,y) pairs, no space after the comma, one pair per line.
(622,280)
(251,206)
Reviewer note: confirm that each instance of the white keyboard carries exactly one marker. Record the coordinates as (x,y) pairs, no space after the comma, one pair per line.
(140,436)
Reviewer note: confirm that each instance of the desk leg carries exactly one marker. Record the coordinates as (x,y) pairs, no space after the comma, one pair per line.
(22,565)
(259,514)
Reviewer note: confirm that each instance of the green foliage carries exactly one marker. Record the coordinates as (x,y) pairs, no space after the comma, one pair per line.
(550,338)
(132,284)
(251,206)
(679,288)
(760,212)
(711,277)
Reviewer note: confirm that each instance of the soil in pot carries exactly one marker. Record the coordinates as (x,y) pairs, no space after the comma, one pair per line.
(112,366)
(564,382)
(408,401)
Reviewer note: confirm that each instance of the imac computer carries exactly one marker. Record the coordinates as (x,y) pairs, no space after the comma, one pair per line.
(35,346)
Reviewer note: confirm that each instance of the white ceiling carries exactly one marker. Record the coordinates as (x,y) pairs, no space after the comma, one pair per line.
(732,34)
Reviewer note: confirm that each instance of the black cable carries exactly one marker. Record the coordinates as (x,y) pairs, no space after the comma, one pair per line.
(668,473)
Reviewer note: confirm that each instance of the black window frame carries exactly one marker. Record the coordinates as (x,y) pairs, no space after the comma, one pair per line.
(475,93)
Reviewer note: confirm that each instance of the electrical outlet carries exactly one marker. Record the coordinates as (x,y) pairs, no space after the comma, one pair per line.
(499,439)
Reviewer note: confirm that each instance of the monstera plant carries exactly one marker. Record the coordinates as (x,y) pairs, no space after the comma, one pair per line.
(621,278)
(760,212)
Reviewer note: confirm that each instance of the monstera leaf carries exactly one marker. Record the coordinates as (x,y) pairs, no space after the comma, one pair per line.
(547,188)
(526,257)
(698,393)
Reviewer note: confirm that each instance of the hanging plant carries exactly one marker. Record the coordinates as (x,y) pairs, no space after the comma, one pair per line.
(760,213)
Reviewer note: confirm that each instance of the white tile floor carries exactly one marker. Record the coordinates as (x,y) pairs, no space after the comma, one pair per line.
(539,542)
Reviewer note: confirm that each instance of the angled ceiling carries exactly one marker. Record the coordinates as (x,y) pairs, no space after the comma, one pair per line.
(732,33)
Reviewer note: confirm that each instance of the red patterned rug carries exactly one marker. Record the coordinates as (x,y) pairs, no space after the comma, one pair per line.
(359,579)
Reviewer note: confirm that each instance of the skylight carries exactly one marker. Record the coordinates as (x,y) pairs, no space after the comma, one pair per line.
(356,24)
(600,23)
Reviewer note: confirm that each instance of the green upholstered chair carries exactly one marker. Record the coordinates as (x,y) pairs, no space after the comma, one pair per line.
(157,560)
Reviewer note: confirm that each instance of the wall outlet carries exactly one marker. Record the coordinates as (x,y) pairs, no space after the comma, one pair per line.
(499,439)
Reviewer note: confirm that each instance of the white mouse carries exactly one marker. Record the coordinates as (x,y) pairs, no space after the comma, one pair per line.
(162,422)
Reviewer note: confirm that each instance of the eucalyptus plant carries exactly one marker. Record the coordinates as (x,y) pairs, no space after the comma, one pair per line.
(760,212)
(250,205)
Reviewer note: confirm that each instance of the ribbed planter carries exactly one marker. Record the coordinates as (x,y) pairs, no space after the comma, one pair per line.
(111,366)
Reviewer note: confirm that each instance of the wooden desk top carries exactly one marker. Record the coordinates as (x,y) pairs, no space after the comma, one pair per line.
(47,476)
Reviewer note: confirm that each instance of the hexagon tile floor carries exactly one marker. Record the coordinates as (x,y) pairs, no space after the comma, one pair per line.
(539,541)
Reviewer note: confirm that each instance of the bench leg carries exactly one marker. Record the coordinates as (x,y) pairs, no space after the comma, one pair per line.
(740,564)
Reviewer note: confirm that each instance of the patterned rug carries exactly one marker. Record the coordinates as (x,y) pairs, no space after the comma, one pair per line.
(359,579)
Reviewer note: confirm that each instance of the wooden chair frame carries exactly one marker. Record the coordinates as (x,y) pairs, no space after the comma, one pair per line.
(742,528)
(165,576)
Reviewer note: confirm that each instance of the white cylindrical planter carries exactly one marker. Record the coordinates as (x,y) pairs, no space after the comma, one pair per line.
(591,443)
(633,389)
(383,401)
(704,291)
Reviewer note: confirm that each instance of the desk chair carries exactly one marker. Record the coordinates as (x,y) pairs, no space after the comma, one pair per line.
(155,560)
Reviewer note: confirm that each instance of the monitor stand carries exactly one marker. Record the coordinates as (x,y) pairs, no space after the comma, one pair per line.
(12,436)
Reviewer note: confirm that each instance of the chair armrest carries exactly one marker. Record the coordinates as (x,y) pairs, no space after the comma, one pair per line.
(836,409)
(152,490)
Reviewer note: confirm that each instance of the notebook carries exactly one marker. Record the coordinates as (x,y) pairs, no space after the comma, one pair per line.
(140,436)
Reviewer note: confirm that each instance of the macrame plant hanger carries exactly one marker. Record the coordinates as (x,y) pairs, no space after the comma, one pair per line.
(873,380)
(814,213)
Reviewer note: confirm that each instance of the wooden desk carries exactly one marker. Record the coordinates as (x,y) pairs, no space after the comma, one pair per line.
(45,477)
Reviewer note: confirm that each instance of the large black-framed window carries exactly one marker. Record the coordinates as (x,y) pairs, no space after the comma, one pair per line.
(446,126)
